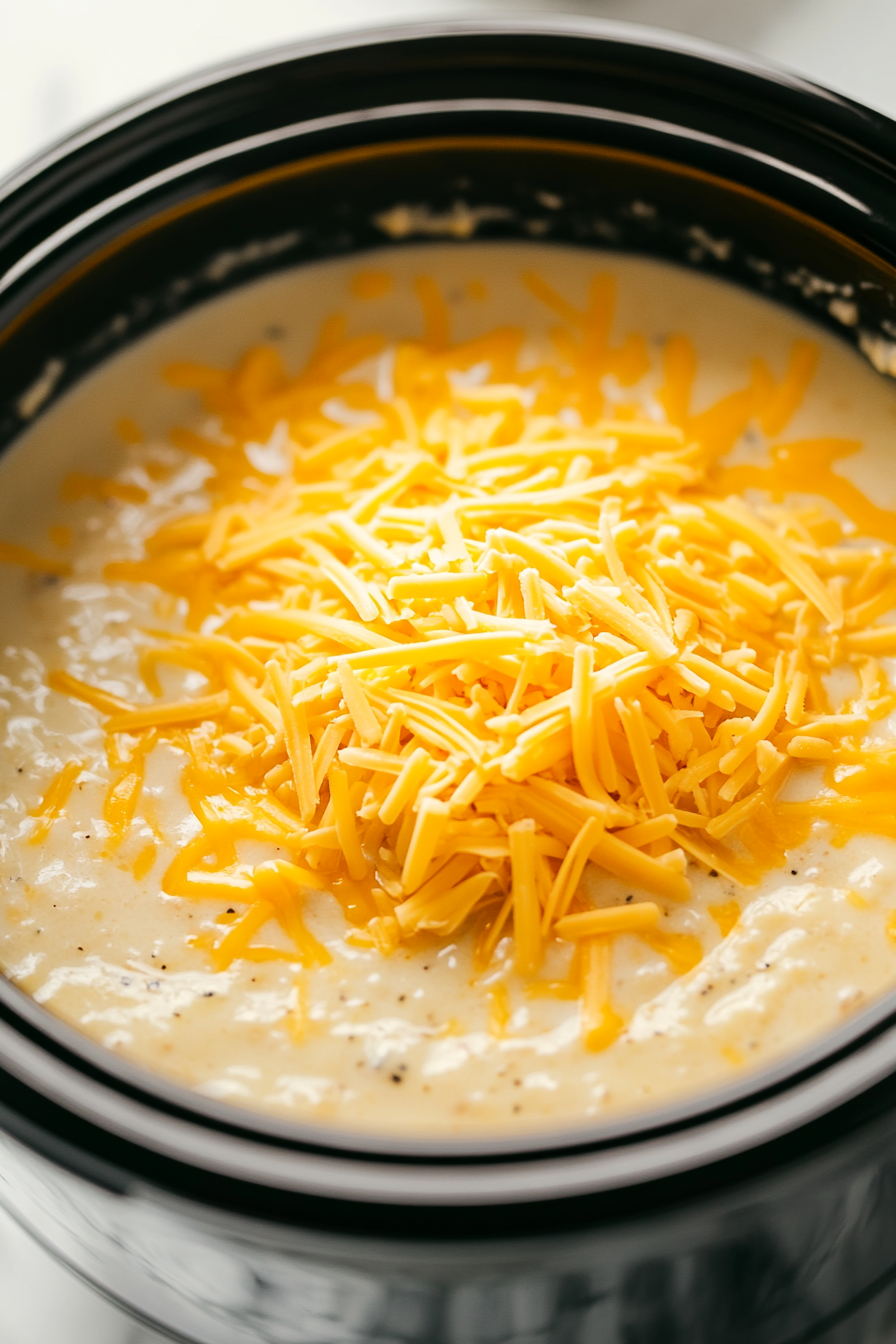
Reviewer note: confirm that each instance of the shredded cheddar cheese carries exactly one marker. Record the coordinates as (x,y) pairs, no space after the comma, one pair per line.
(54,801)
(493,634)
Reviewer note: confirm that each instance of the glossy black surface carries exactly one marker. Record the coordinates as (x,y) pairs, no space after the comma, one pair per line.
(763,1214)
(801,1252)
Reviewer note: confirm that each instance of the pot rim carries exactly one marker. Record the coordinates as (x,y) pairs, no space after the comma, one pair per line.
(639,1147)
(118,1097)
(395,112)
(342,39)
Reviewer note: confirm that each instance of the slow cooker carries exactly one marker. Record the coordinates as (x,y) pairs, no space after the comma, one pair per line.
(761,1213)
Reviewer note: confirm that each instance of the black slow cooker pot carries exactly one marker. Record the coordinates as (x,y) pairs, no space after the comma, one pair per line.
(761,1214)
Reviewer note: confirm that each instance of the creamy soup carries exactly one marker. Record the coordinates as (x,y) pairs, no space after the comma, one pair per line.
(435,699)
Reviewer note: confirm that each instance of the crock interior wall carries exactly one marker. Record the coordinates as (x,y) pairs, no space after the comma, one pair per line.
(107,288)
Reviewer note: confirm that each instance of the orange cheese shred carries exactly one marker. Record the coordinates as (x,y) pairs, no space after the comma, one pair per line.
(497,639)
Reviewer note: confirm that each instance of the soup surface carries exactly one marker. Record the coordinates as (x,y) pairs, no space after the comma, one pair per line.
(450,692)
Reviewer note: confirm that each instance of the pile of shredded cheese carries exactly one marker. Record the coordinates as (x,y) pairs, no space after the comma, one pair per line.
(490,634)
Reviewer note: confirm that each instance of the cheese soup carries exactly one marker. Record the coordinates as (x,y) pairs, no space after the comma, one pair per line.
(449,691)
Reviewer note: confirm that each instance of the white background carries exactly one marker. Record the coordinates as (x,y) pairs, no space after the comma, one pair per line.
(64,62)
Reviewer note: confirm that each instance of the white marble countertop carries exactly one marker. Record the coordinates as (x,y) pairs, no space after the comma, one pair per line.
(41,1303)
(64,62)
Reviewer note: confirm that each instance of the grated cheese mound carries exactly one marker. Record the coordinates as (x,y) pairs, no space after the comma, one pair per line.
(492,633)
